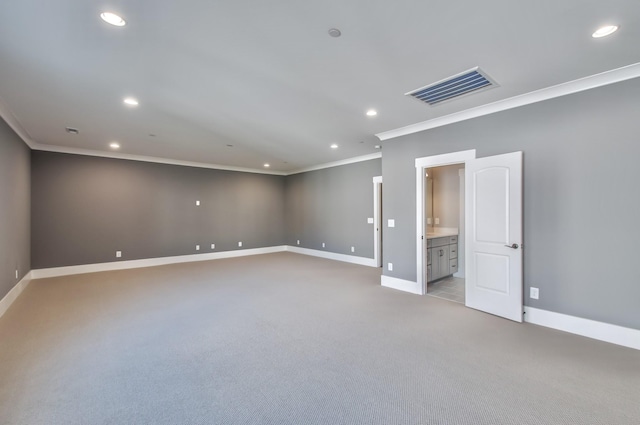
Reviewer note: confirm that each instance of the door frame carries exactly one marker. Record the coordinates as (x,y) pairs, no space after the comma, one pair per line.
(421,241)
(462,226)
(377,225)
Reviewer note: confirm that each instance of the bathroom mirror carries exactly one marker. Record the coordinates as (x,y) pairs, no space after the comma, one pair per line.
(429,199)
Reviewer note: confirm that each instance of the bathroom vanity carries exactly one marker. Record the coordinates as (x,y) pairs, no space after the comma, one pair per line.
(442,255)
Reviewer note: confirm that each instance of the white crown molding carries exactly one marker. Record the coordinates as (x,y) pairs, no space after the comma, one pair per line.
(143,158)
(15,125)
(332,256)
(606,332)
(157,160)
(598,80)
(150,262)
(14,293)
(347,161)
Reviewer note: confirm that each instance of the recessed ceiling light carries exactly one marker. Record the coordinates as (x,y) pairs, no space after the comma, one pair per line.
(113,19)
(114,145)
(334,146)
(372,113)
(334,32)
(267,165)
(71,130)
(605,31)
(131,101)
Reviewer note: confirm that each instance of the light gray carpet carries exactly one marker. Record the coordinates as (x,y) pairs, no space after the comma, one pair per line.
(289,339)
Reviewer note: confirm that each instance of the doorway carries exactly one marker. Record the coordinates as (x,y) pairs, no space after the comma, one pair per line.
(377,220)
(492,230)
(444,214)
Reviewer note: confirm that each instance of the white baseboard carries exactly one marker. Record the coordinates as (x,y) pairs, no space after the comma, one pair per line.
(614,334)
(333,256)
(150,262)
(11,296)
(401,284)
(606,332)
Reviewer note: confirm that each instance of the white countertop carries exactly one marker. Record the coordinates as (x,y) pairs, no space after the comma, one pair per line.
(441,234)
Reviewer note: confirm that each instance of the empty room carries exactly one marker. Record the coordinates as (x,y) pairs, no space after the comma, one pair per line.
(336,212)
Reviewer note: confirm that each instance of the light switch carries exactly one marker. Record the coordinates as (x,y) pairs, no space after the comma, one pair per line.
(197,203)
(391,223)
(429,220)
(437,220)
(370,220)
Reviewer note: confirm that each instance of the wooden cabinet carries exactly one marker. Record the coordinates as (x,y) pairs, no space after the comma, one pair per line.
(440,262)
(442,257)
(428,264)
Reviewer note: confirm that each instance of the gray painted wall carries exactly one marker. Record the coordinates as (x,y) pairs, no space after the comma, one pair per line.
(15,187)
(581,197)
(332,206)
(86,208)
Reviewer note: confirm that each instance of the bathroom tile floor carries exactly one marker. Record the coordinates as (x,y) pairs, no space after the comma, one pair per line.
(450,288)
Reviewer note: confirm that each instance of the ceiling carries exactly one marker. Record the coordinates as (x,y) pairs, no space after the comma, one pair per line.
(266,78)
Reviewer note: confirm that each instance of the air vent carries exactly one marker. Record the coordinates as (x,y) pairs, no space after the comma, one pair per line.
(471,81)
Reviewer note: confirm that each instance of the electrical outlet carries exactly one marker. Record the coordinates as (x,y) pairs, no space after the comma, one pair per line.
(391,223)
(353,249)
(370,220)
(534,293)
(323,244)
(240,244)
(437,220)
(213,246)
(197,247)
(390,266)
(429,220)
(197,203)
(298,241)
(118,254)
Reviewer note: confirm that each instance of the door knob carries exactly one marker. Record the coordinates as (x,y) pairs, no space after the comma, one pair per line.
(514,246)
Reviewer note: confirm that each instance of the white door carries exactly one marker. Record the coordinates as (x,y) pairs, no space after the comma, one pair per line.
(494,235)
